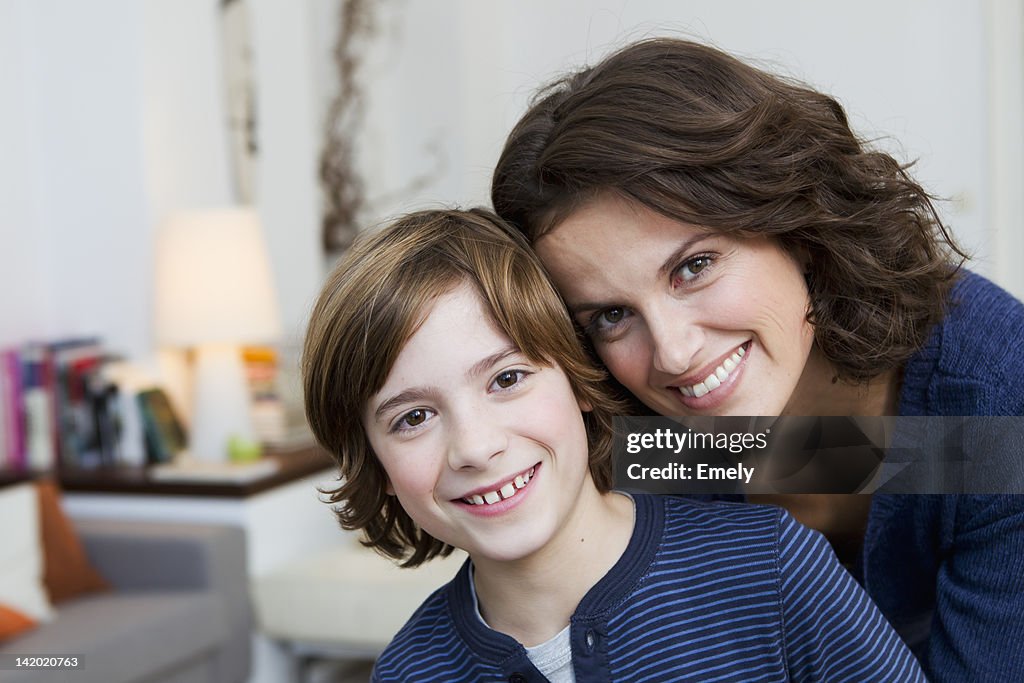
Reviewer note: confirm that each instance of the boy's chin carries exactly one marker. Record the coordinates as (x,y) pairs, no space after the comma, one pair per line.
(510,547)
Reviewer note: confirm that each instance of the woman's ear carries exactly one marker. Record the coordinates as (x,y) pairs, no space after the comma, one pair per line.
(585,405)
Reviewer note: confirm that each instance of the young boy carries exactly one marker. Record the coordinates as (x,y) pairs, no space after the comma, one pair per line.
(443,372)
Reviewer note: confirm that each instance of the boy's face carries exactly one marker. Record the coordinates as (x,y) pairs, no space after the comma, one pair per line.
(485,449)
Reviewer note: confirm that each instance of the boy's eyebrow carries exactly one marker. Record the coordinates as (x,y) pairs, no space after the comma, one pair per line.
(406,396)
(417,393)
(484,363)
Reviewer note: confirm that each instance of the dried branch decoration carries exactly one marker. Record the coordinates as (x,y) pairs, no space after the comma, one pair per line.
(339,177)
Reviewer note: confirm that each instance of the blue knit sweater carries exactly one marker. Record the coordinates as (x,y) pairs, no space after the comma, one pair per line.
(703,592)
(948,570)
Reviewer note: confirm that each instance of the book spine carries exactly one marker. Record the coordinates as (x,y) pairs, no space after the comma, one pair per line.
(38,409)
(74,422)
(6,463)
(10,365)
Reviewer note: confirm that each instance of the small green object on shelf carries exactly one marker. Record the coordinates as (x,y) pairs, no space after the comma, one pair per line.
(241,449)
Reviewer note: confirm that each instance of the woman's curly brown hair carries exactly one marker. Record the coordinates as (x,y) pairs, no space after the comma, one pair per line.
(697,135)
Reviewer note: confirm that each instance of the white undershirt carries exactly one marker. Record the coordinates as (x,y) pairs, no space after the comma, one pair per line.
(553,657)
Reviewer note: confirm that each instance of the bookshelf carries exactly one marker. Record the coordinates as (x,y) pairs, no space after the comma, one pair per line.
(293,464)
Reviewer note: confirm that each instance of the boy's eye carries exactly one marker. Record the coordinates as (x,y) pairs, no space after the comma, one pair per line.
(508,378)
(412,419)
(415,417)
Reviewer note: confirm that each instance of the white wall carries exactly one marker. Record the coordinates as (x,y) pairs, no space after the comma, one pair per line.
(112,115)
(26,302)
(456,74)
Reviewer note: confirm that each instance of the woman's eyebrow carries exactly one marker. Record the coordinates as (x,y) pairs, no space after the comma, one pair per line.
(665,270)
(672,262)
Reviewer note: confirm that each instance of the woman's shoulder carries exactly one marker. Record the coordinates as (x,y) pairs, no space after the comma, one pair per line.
(973,362)
(742,522)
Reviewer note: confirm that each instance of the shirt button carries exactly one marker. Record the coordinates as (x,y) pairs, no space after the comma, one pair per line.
(591,639)
(517,678)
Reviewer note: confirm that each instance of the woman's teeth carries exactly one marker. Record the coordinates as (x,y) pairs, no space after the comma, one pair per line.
(716,378)
(507,490)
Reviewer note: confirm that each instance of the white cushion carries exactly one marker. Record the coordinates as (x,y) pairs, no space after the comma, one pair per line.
(349,596)
(21,553)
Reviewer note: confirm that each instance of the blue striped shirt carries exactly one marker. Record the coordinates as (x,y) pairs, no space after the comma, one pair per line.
(704,591)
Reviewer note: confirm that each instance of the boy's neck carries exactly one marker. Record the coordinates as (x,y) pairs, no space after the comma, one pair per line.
(532,600)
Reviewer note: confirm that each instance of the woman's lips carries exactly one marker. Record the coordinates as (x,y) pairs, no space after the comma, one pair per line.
(717,376)
(711,391)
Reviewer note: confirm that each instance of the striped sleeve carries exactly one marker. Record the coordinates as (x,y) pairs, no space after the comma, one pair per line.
(832,630)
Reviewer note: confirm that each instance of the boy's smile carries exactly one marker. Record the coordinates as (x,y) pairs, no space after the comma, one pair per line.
(496,498)
(485,448)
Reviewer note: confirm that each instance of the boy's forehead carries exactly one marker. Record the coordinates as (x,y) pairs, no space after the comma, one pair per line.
(454,330)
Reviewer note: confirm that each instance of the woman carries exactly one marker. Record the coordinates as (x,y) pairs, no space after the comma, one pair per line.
(729,246)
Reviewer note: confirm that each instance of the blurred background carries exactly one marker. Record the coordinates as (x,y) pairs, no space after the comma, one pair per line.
(125,121)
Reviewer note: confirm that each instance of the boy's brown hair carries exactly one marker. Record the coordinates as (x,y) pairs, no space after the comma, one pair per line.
(375,300)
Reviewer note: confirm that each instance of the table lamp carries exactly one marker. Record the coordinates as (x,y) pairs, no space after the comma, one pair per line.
(214,293)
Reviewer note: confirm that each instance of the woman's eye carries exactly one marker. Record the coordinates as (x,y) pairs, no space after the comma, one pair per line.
(691,269)
(508,378)
(607,322)
(612,316)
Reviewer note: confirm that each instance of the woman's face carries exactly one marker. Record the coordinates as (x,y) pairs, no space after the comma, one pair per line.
(691,321)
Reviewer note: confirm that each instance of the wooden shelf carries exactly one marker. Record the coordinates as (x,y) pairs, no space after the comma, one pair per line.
(294,464)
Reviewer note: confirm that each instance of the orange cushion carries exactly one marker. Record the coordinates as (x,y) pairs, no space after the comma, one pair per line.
(13,622)
(67,572)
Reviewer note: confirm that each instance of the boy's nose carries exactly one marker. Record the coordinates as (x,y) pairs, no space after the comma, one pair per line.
(475,438)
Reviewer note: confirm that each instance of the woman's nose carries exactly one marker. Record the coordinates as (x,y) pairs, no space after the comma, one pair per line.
(675,338)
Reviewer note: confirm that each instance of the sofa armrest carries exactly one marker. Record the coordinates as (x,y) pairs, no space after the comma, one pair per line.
(156,555)
(136,556)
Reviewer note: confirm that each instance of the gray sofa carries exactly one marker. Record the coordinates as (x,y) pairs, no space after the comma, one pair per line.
(179,611)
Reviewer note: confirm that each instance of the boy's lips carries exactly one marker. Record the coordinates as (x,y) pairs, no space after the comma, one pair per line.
(502,490)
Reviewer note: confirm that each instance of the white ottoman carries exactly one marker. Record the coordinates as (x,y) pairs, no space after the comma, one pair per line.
(343,603)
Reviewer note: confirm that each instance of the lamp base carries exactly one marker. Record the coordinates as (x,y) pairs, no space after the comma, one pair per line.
(220,408)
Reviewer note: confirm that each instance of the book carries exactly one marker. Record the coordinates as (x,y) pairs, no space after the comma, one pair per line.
(125,381)
(73,360)
(164,434)
(14,445)
(37,397)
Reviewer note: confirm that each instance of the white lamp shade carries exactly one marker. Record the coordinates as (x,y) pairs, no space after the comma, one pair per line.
(213,281)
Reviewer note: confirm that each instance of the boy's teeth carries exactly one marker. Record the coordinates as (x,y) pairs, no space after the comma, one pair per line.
(716,378)
(506,491)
